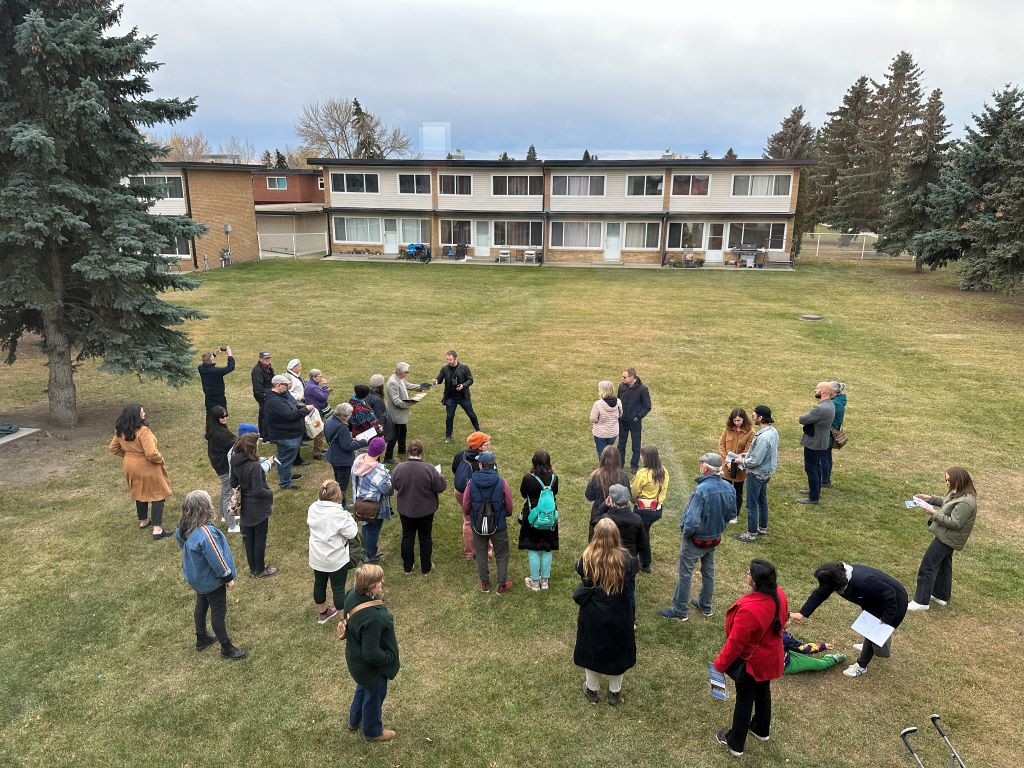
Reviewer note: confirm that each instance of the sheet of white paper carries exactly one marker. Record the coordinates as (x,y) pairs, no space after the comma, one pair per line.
(872,628)
(438,468)
(371,432)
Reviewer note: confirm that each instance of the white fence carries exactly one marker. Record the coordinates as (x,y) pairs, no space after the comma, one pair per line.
(837,245)
(301,244)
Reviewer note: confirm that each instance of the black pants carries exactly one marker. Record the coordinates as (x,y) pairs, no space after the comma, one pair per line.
(216,603)
(411,528)
(143,508)
(738,485)
(649,517)
(341,477)
(261,421)
(935,576)
(255,538)
(337,579)
(401,430)
(449,418)
(751,697)
(869,650)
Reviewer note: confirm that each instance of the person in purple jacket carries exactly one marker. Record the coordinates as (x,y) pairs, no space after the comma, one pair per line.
(315,393)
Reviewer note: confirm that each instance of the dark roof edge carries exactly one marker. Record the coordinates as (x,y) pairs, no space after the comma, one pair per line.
(646,163)
(200,166)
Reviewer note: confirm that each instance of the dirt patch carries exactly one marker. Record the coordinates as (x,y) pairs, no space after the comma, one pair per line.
(52,452)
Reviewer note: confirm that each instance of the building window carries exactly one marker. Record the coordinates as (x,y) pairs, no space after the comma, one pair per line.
(277,182)
(414,183)
(685,234)
(761,185)
(320,183)
(691,184)
(415,231)
(644,185)
(578,186)
(355,182)
(642,234)
(455,232)
(179,246)
(519,233)
(517,185)
(170,185)
(576,234)
(770,236)
(350,229)
(452,184)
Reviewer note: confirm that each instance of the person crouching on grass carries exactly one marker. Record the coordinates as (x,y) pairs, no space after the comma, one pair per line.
(371,651)
(208,567)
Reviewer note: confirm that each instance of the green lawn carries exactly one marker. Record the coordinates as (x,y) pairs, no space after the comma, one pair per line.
(96,649)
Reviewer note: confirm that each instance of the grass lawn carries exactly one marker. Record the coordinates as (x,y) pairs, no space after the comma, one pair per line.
(96,649)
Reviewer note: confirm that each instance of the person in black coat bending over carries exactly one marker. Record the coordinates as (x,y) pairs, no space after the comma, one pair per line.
(876,592)
(457,380)
(636,404)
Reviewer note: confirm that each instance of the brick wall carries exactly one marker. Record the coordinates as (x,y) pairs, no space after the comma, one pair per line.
(641,257)
(220,197)
(302,188)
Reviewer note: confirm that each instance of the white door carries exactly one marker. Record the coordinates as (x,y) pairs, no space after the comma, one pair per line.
(716,239)
(612,240)
(482,241)
(390,236)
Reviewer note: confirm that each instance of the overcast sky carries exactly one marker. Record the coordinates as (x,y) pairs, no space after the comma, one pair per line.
(622,78)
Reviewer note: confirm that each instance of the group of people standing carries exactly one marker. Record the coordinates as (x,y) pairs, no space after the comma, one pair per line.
(345,533)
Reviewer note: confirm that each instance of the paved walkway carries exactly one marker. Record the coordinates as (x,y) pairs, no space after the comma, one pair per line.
(586,264)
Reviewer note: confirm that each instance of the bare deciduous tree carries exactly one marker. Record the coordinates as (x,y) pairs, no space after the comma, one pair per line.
(243,149)
(184,147)
(328,129)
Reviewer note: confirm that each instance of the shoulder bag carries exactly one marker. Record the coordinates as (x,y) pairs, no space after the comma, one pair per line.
(343,624)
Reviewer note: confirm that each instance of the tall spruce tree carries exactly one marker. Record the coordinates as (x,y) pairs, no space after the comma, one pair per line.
(730,154)
(705,155)
(266,159)
(979,199)
(280,161)
(905,211)
(586,154)
(794,140)
(840,155)
(531,153)
(78,249)
(367,146)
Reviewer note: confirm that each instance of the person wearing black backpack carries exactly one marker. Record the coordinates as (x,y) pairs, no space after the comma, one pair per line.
(539,542)
(488,501)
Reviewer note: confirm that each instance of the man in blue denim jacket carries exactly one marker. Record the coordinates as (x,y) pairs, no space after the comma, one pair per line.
(710,505)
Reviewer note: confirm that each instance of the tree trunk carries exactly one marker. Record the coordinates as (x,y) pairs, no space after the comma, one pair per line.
(61,385)
(917,264)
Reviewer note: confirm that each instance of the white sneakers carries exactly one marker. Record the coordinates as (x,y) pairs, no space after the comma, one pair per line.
(915,606)
(531,584)
(855,670)
(939,602)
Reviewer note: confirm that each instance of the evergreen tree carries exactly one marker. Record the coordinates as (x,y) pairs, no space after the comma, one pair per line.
(266,160)
(793,141)
(79,263)
(978,201)
(905,210)
(840,155)
(531,153)
(505,156)
(367,147)
(730,154)
(586,154)
(705,155)
(449,156)
(280,161)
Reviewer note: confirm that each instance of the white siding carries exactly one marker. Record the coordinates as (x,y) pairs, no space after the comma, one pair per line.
(388,197)
(615,198)
(721,199)
(482,199)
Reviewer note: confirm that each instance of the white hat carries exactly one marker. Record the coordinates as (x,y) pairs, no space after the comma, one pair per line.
(293,362)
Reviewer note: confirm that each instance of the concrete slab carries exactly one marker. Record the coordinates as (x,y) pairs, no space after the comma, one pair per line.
(23,432)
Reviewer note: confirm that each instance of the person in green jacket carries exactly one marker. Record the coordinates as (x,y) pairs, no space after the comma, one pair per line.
(951,520)
(371,652)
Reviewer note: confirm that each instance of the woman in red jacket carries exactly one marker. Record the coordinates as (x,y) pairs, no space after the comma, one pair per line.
(752,654)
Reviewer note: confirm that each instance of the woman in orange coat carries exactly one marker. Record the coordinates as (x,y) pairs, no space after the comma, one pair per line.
(736,438)
(144,468)
(753,655)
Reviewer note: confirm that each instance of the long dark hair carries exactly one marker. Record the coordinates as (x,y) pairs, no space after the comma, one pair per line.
(960,483)
(246,445)
(609,469)
(129,421)
(649,458)
(745,426)
(213,424)
(541,463)
(765,579)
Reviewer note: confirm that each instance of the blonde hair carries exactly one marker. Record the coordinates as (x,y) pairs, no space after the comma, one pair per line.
(330,491)
(604,558)
(367,575)
(605,389)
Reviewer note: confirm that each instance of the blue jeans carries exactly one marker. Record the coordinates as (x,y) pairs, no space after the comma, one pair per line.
(601,443)
(371,535)
(449,418)
(627,429)
(689,554)
(287,450)
(366,707)
(814,462)
(540,564)
(757,503)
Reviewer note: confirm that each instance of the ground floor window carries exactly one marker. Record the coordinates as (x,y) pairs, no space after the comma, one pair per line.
(642,234)
(770,236)
(415,230)
(519,233)
(685,234)
(576,234)
(350,229)
(179,247)
(455,232)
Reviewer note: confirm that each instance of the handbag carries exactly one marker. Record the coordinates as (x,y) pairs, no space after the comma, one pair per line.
(314,423)
(648,505)
(366,510)
(839,438)
(737,667)
(583,593)
(235,503)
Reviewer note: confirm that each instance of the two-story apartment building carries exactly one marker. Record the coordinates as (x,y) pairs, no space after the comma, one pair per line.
(290,218)
(614,211)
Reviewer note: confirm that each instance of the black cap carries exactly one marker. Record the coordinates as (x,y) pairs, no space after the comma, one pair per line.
(765,413)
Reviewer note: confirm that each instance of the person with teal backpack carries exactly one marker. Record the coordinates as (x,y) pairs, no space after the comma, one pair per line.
(538,531)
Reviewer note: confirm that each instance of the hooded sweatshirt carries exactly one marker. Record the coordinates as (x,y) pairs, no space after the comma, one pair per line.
(331,528)
(371,480)
(605,415)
